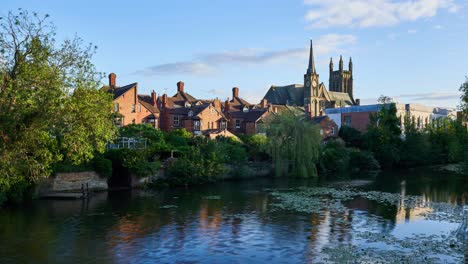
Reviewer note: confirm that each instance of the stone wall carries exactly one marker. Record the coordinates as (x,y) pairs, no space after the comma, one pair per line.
(74,180)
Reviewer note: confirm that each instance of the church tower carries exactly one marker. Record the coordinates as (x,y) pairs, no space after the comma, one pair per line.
(341,80)
(311,87)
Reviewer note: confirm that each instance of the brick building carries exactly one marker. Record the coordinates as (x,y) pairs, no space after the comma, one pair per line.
(131,108)
(185,111)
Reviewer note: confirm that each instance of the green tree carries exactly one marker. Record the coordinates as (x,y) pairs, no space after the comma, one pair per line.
(383,134)
(50,107)
(416,146)
(464,99)
(293,143)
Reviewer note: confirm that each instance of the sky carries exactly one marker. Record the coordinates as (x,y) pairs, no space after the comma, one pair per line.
(412,50)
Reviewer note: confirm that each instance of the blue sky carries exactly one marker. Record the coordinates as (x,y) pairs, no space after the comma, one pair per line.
(413,50)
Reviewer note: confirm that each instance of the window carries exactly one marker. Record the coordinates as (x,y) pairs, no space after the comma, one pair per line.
(237,124)
(333,131)
(190,113)
(246,109)
(133,121)
(212,125)
(222,124)
(196,125)
(175,121)
(139,108)
(116,107)
(133,108)
(347,120)
(187,105)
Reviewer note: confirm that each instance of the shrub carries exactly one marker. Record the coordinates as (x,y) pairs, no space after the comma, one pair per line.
(102,166)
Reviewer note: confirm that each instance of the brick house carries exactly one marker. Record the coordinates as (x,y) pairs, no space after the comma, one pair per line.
(131,108)
(184,111)
(148,111)
(243,117)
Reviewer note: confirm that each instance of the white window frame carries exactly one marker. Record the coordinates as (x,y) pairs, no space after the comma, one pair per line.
(175,121)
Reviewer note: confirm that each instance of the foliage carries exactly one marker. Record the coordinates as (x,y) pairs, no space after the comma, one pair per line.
(447,139)
(50,107)
(336,157)
(464,99)
(351,136)
(102,166)
(383,134)
(293,144)
(256,146)
(135,160)
(415,148)
(204,160)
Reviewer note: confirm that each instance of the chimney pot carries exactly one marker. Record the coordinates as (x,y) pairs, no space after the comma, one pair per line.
(264,103)
(235,92)
(180,86)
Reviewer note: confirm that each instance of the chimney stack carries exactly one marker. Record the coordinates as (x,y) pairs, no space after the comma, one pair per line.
(264,103)
(180,87)
(153,97)
(226,106)
(112,78)
(164,100)
(217,104)
(235,92)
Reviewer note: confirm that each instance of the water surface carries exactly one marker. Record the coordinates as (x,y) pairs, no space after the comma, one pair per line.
(240,222)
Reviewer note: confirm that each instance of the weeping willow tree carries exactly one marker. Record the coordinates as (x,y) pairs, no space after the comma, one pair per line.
(293,143)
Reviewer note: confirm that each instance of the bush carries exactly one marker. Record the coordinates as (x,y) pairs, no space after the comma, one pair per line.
(351,136)
(334,157)
(102,166)
(13,189)
(362,160)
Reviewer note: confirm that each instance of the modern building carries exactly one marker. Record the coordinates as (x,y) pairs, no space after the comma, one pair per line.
(358,116)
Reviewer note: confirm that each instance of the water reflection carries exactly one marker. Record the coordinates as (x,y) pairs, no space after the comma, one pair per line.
(238,227)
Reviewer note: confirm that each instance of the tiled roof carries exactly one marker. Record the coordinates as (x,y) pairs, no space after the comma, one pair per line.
(318,119)
(146,101)
(250,116)
(118,91)
(341,98)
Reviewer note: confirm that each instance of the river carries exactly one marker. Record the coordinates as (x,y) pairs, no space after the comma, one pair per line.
(389,217)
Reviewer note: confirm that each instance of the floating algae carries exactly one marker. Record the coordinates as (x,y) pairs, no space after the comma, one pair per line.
(374,246)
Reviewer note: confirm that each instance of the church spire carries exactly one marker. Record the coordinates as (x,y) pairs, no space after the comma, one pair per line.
(311,68)
(350,66)
(341,64)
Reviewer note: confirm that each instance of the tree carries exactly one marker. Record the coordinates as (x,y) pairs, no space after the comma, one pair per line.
(383,134)
(51,109)
(464,100)
(293,144)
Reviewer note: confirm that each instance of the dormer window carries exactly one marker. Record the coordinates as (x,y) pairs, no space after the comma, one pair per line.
(246,109)
(187,105)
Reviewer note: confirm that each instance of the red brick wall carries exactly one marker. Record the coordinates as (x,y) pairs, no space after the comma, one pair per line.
(329,128)
(359,120)
(125,102)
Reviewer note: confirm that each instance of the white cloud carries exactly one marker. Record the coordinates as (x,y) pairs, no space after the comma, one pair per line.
(210,62)
(369,13)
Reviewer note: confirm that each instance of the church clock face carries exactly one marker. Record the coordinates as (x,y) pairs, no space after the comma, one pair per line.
(314,83)
(307,83)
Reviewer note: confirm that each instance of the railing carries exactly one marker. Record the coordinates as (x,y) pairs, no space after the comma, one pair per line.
(127,142)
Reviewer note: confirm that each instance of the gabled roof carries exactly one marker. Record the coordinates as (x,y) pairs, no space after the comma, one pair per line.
(250,116)
(146,102)
(286,95)
(118,91)
(181,97)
